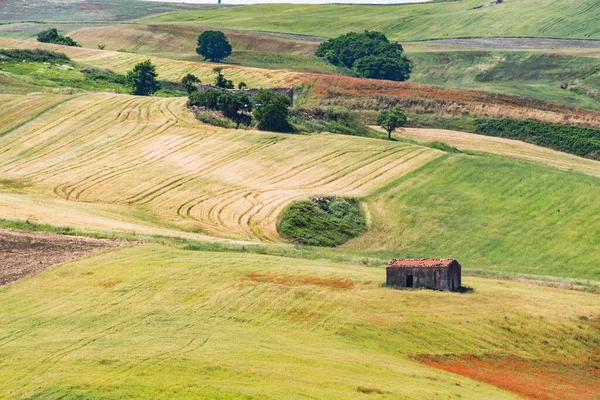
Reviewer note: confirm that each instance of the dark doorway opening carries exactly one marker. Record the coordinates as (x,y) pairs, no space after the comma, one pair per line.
(409,281)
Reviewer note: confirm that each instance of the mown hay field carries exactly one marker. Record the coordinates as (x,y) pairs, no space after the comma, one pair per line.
(150,155)
(455,19)
(153,321)
(181,40)
(167,69)
(501,146)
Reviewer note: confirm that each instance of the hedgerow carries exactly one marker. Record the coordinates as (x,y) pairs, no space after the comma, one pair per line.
(584,142)
(34,55)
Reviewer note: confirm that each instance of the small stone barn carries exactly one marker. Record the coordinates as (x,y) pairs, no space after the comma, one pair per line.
(439,274)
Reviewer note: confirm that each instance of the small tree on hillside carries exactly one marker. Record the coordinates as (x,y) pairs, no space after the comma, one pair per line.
(189,82)
(142,78)
(221,81)
(390,120)
(213,45)
(271,111)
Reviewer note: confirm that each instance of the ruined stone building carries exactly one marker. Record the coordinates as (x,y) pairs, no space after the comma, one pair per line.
(439,274)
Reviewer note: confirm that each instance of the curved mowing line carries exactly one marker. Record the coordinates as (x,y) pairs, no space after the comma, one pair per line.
(56,139)
(55,170)
(189,177)
(223,218)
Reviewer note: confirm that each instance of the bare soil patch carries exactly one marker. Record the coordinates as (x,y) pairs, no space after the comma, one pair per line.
(28,253)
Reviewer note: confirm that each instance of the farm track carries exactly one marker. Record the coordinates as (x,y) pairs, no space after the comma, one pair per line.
(150,155)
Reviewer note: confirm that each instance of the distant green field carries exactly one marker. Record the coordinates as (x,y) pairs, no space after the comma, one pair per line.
(513,18)
(87,10)
(493,213)
(156,322)
(524,73)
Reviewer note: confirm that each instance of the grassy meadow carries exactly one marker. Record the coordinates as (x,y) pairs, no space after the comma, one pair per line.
(154,321)
(454,19)
(87,10)
(493,213)
(219,304)
(569,80)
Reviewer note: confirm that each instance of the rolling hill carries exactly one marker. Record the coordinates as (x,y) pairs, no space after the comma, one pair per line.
(154,321)
(453,19)
(124,163)
(151,154)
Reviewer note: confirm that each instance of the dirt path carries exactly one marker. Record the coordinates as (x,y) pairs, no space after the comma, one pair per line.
(28,253)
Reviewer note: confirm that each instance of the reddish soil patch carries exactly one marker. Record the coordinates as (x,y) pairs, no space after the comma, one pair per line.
(531,378)
(28,253)
(300,280)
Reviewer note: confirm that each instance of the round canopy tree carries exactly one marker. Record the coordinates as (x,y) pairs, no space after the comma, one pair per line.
(390,120)
(213,45)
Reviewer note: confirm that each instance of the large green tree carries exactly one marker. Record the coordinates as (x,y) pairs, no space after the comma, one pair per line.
(384,59)
(213,45)
(142,79)
(379,67)
(390,120)
(271,111)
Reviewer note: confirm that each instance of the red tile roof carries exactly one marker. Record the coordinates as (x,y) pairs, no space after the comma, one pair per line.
(421,263)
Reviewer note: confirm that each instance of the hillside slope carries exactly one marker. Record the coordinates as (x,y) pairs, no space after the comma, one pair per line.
(492,213)
(463,18)
(151,155)
(153,321)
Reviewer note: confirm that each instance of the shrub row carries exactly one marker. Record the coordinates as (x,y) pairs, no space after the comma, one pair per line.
(584,142)
(34,55)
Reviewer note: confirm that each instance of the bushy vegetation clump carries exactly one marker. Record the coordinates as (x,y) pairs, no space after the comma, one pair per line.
(142,79)
(333,119)
(584,142)
(323,221)
(369,54)
(52,36)
(33,55)
(233,106)
(272,111)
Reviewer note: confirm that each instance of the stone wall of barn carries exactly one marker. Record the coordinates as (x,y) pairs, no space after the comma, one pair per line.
(439,278)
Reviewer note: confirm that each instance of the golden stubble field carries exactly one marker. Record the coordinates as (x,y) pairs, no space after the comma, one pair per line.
(148,159)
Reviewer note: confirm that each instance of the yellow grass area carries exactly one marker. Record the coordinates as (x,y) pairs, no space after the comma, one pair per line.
(162,323)
(17,110)
(503,147)
(167,69)
(182,39)
(161,166)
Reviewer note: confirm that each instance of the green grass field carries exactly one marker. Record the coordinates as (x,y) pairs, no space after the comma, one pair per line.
(513,18)
(153,321)
(87,10)
(493,213)
(536,75)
